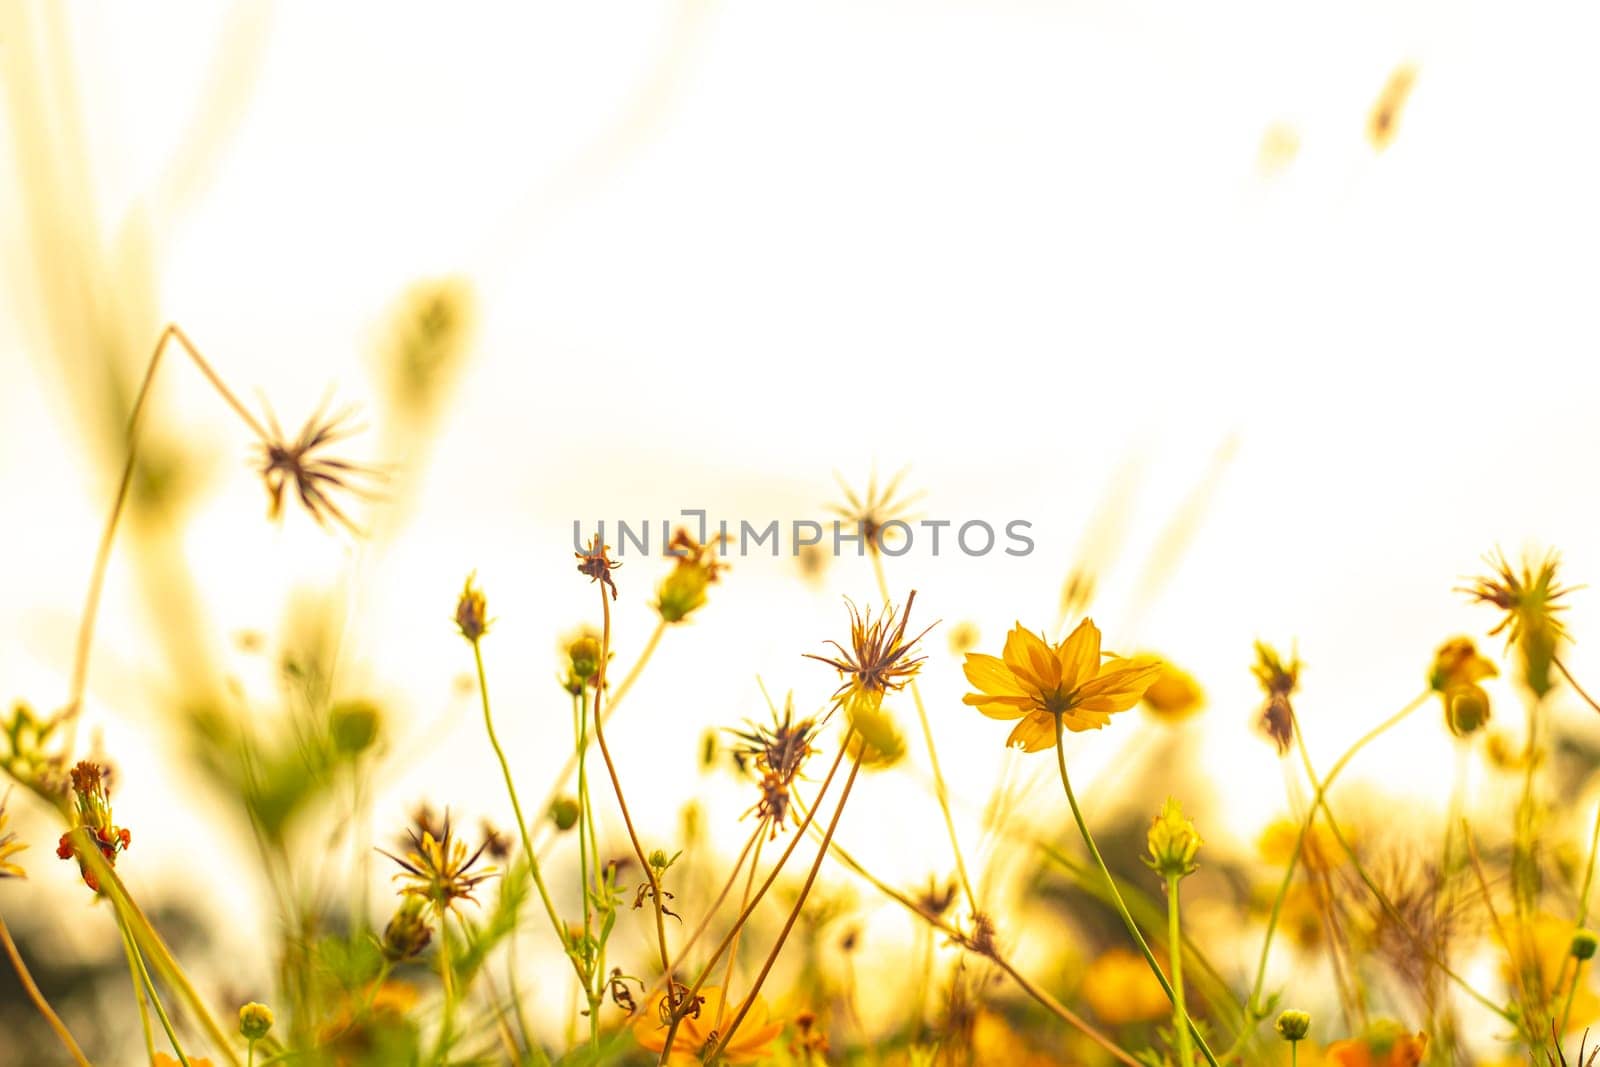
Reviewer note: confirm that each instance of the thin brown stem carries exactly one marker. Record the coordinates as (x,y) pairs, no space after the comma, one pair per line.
(749,909)
(571,766)
(616,785)
(794,913)
(39,1002)
(1562,667)
(1044,999)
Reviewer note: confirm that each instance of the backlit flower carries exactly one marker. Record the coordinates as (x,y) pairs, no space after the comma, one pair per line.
(1035,682)
(1385,1044)
(1174,695)
(439,870)
(1120,989)
(698,1032)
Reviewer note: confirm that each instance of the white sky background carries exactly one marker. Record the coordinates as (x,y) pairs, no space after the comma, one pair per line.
(720,251)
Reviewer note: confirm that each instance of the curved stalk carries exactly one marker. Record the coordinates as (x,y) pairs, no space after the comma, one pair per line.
(1117,901)
(39,1002)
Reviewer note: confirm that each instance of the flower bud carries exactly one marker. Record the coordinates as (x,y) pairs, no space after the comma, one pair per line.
(1293,1025)
(409,932)
(1584,943)
(1174,695)
(353,726)
(564,813)
(1173,842)
(681,592)
(582,653)
(1466,708)
(254,1021)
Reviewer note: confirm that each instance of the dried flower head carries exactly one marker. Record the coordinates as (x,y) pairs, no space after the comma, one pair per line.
(439,869)
(9,845)
(472,611)
(936,899)
(595,563)
(1530,599)
(1039,683)
(1279,679)
(776,753)
(879,658)
(878,514)
(315,478)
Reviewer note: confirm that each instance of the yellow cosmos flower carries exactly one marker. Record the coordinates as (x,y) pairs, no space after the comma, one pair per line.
(697,1034)
(1035,682)
(1320,852)
(1120,989)
(163,1060)
(1174,695)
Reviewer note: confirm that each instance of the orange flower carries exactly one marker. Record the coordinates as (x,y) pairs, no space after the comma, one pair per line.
(1319,852)
(163,1060)
(1120,989)
(1385,1044)
(700,1030)
(1036,682)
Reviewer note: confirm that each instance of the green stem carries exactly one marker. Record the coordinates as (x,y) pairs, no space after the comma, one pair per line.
(516,808)
(1339,765)
(1175,950)
(615,701)
(580,708)
(1321,801)
(1116,899)
(1572,992)
(989,953)
(940,791)
(448,987)
(145,938)
(161,1013)
(138,992)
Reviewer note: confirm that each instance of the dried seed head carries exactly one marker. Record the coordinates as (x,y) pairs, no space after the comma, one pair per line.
(595,563)
(314,478)
(472,613)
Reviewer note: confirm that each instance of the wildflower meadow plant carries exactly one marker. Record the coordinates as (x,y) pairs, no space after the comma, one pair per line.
(1122,926)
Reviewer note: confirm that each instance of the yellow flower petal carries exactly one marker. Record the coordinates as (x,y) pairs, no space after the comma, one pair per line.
(1031,660)
(990,675)
(1035,733)
(999,707)
(1120,684)
(1079,655)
